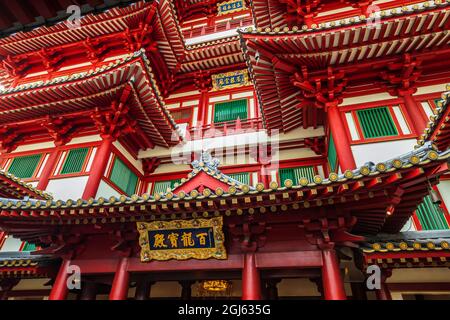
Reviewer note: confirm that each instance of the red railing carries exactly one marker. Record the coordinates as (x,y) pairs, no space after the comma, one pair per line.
(218,27)
(225,128)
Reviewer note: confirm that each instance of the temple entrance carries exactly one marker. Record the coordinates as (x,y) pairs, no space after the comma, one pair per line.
(203,285)
(303,284)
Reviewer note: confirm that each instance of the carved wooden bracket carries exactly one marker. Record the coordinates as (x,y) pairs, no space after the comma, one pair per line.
(15,67)
(251,234)
(9,139)
(321,90)
(402,75)
(301,12)
(125,241)
(142,36)
(59,129)
(95,50)
(115,121)
(65,244)
(50,59)
(316,144)
(149,165)
(202,80)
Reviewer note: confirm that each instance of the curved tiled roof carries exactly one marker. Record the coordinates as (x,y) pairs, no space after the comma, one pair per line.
(438,122)
(56,13)
(274,55)
(110,76)
(408,241)
(14,187)
(420,157)
(15,264)
(407,250)
(384,14)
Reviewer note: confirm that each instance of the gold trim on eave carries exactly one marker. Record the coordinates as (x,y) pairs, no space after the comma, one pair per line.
(216,252)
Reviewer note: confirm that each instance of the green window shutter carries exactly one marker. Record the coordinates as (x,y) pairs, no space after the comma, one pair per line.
(24,167)
(431,216)
(123,177)
(295,174)
(230,110)
(376,122)
(243,177)
(286,174)
(74,161)
(162,186)
(332,155)
(29,247)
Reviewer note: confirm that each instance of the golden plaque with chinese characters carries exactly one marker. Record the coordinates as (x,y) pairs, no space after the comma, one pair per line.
(182,239)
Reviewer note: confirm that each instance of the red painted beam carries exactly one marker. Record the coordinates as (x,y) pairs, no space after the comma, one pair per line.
(264,260)
(294,259)
(233,262)
(419,287)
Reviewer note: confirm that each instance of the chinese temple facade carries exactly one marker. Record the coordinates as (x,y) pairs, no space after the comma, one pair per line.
(191,149)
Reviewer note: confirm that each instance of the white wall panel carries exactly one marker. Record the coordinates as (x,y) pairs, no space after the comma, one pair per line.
(382,151)
(11,244)
(401,120)
(106,191)
(352,126)
(444,190)
(69,188)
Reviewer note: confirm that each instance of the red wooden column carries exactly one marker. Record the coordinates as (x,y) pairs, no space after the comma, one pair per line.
(383,293)
(203,83)
(202,107)
(333,286)
(340,138)
(419,121)
(119,290)
(59,290)
(265,176)
(48,169)
(251,282)
(98,167)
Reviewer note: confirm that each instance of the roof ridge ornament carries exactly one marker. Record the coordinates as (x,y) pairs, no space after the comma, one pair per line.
(206,160)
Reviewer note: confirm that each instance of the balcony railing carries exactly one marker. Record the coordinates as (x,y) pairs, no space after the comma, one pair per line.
(219,27)
(225,128)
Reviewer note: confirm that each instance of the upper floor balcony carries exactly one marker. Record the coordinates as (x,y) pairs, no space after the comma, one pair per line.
(225,128)
(201,30)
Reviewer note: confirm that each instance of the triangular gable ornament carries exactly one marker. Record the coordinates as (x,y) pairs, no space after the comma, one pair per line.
(206,175)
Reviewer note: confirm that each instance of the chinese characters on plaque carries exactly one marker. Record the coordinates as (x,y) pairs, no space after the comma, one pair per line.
(230,6)
(182,239)
(230,80)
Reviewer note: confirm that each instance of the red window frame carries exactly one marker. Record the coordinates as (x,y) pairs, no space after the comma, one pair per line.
(116,154)
(390,105)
